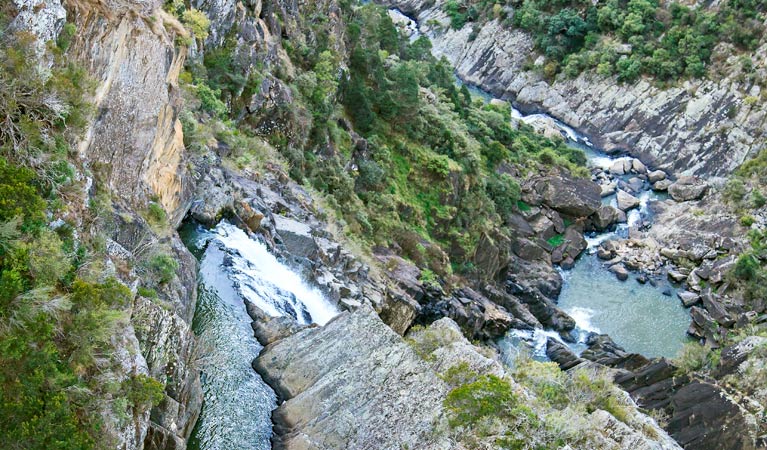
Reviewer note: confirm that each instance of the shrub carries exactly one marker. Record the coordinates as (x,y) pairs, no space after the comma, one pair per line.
(18,196)
(489,396)
(66,36)
(164,267)
(694,357)
(197,23)
(146,292)
(425,340)
(556,240)
(156,214)
(47,262)
(210,101)
(143,391)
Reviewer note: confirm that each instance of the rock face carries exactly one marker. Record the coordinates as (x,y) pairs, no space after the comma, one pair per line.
(136,142)
(43,18)
(350,384)
(134,147)
(677,128)
(703,414)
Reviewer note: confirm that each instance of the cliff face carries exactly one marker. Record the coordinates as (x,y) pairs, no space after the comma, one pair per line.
(135,142)
(133,148)
(702,127)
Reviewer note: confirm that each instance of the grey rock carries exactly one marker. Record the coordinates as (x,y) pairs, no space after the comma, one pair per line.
(338,395)
(688,298)
(605,216)
(296,236)
(620,272)
(687,189)
(637,166)
(626,201)
(656,175)
(661,185)
(574,197)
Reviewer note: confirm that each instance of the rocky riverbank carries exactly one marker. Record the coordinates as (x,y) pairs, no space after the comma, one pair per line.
(702,127)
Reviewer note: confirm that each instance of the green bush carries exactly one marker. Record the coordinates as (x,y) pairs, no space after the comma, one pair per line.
(694,357)
(164,267)
(489,396)
(18,195)
(210,101)
(143,391)
(196,22)
(156,214)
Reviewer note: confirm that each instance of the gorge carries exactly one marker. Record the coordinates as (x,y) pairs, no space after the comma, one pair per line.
(389,224)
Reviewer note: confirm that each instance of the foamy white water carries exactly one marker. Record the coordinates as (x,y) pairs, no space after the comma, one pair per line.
(269,284)
(582,317)
(534,340)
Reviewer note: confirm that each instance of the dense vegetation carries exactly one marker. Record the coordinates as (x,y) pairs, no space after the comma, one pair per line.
(431,170)
(59,310)
(629,38)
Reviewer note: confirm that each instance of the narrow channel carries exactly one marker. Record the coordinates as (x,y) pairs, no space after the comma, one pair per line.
(237,404)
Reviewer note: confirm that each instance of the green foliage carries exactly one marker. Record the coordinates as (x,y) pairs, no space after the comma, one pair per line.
(143,391)
(156,214)
(489,396)
(163,267)
(460,13)
(556,240)
(66,36)
(694,357)
(749,271)
(637,37)
(196,22)
(146,292)
(425,341)
(41,110)
(210,101)
(18,195)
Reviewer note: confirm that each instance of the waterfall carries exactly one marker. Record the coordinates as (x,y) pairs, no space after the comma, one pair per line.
(237,403)
(272,286)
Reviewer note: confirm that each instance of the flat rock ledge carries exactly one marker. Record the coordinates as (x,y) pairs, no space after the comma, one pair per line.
(351,384)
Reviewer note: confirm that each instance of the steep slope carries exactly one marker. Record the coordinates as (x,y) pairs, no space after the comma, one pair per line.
(697,126)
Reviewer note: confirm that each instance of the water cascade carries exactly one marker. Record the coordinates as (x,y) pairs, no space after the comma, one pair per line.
(234,267)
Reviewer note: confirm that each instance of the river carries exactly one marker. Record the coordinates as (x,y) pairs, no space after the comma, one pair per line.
(237,406)
(642,318)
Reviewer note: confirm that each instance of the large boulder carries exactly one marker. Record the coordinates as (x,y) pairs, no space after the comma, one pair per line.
(575,197)
(688,188)
(656,175)
(626,201)
(351,384)
(605,216)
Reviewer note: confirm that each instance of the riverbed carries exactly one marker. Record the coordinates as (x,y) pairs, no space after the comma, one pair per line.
(234,267)
(642,318)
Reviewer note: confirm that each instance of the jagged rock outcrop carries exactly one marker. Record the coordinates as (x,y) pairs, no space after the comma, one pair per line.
(703,413)
(361,396)
(699,127)
(349,385)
